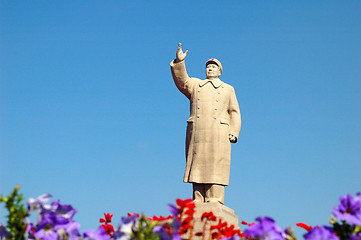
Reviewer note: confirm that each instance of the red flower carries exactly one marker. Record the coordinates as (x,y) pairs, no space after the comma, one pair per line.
(108,217)
(304,226)
(168,229)
(160,218)
(215,235)
(209,216)
(187,220)
(189,212)
(109,229)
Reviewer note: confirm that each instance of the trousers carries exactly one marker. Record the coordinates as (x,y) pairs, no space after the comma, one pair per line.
(208,192)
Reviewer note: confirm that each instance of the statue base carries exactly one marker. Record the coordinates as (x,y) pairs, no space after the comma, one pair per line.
(219,210)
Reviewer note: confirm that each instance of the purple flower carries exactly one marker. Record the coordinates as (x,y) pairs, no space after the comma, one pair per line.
(99,234)
(356,236)
(162,233)
(46,234)
(320,233)
(119,235)
(266,228)
(70,229)
(4,234)
(173,209)
(37,203)
(66,211)
(49,226)
(349,209)
(29,229)
(130,219)
(231,238)
(51,220)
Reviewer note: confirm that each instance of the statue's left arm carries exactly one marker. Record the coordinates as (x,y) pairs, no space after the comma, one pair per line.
(235,117)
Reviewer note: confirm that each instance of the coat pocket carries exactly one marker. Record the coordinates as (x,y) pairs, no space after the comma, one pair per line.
(224,121)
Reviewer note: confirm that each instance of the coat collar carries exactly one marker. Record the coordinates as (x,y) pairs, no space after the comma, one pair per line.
(216,83)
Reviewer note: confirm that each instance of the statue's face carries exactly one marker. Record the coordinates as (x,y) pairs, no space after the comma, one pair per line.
(212,71)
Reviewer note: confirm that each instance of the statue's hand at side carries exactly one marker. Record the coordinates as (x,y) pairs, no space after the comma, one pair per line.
(232,138)
(180,55)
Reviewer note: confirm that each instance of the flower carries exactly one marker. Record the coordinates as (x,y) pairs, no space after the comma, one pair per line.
(162,233)
(173,209)
(109,229)
(131,218)
(46,234)
(356,236)
(320,233)
(72,230)
(4,234)
(49,225)
(223,230)
(54,221)
(108,217)
(349,209)
(208,216)
(37,203)
(304,226)
(98,234)
(266,228)
(128,227)
(231,238)
(160,218)
(66,211)
(246,223)
(185,215)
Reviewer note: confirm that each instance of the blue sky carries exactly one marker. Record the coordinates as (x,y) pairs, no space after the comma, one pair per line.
(89,111)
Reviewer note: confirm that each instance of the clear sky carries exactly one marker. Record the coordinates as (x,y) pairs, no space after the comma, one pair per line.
(89,111)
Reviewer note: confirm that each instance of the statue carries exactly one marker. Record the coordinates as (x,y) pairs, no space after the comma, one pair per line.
(214,123)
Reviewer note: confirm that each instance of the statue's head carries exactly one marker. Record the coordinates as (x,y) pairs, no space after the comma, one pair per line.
(213,68)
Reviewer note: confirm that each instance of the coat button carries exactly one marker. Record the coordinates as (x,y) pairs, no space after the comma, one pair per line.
(197,116)
(198,107)
(216,100)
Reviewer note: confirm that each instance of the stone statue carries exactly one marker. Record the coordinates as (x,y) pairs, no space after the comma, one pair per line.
(214,123)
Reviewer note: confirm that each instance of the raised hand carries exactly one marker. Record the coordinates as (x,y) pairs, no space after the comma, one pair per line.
(180,55)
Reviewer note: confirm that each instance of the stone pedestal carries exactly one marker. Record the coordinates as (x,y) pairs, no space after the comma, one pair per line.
(219,210)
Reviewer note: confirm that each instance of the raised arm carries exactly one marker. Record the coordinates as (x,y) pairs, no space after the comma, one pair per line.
(179,72)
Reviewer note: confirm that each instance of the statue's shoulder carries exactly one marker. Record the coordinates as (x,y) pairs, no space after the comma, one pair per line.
(196,80)
(227,86)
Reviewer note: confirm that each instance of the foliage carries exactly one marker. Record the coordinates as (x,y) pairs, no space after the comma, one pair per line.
(17,214)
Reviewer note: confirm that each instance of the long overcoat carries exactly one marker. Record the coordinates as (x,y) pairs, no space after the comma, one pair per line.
(214,114)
